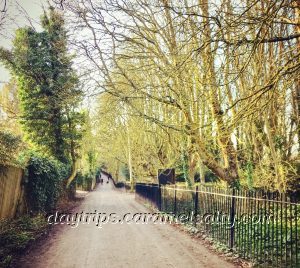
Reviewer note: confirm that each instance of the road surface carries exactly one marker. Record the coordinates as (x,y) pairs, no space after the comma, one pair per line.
(119,245)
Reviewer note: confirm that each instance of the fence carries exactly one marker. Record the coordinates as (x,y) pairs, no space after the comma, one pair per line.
(121,185)
(260,226)
(151,192)
(12,199)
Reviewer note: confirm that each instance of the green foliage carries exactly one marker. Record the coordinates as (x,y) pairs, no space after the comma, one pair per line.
(210,176)
(45,180)
(79,178)
(185,166)
(48,87)
(16,235)
(125,172)
(180,177)
(249,174)
(9,147)
(91,155)
(85,181)
(197,177)
(89,178)
(98,171)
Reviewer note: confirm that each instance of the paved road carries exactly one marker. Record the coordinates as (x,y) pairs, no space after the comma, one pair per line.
(119,245)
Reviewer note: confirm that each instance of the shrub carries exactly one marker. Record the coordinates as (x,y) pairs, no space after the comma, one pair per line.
(125,172)
(98,172)
(9,147)
(79,178)
(44,182)
(120,185)
(16,235)
(85,180)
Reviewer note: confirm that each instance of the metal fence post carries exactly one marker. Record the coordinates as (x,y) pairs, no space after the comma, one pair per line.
(159,197)
(232,221)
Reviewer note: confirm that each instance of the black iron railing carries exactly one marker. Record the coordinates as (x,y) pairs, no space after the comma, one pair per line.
(150,192)
(260,226)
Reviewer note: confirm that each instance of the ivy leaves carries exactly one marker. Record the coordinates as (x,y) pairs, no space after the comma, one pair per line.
(45,178)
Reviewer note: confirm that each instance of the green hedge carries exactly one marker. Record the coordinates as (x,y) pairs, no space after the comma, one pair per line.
(44,182)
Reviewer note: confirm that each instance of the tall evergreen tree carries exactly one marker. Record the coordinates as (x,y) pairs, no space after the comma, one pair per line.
(48,86)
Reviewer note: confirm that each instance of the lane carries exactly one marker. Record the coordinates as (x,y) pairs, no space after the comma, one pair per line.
(119,245)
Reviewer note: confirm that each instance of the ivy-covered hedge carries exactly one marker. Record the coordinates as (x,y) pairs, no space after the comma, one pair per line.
(44,182)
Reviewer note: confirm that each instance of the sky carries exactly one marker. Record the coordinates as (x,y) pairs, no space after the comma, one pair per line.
(18,14)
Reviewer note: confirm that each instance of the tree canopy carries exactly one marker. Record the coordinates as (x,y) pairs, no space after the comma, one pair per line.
(196,84)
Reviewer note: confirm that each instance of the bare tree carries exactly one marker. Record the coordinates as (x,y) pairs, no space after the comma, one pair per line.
(220,77)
